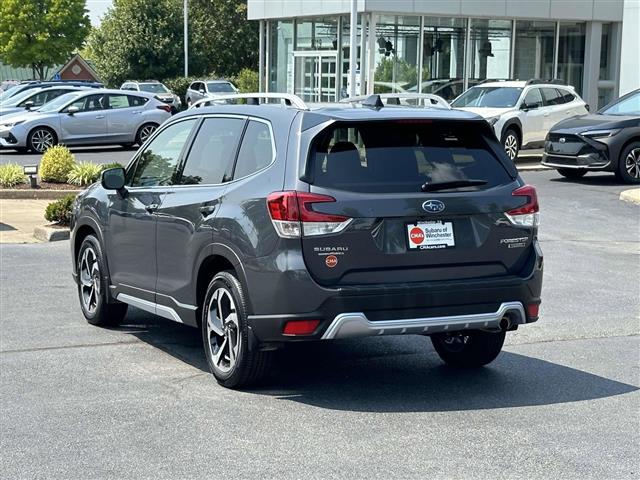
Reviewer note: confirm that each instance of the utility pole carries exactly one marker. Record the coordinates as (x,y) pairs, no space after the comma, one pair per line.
(353,48)
(186,38)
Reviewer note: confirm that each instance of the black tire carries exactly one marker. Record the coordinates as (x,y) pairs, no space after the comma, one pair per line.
(144,132)
(628,170)
(99,311)
(511,143)
(470,349)
(41,138)
(572,173)
(21,150)
(250,366)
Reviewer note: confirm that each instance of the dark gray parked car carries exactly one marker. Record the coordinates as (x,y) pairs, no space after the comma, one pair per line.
(608,141)
(265,224)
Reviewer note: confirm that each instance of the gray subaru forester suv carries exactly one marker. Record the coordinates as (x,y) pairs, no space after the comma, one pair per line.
(264,224)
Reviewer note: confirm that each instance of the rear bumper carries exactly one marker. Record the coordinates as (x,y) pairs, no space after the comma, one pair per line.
(413,308)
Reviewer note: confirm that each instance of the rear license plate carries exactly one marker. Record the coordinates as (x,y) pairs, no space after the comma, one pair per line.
(430,235)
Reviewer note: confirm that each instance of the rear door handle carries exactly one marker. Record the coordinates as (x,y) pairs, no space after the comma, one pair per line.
(152,207)
(207,210)
(100,116)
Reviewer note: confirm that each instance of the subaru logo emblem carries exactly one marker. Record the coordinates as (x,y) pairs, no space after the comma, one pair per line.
(562,139)
(433,206)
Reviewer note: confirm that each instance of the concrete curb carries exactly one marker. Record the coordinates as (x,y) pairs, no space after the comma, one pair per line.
(35,194)
(632,196)
(50,234)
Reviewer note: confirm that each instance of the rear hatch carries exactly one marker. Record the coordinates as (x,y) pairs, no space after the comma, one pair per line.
(415,200)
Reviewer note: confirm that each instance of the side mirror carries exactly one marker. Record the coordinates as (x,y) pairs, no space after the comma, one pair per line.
(113,179)
(202,92)
(72,110)
(28,105)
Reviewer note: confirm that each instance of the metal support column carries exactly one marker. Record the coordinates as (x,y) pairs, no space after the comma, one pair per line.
(353,48)
(261,68)
(591,73)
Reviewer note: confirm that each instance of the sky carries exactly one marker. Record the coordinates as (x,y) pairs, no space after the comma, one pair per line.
(97,8)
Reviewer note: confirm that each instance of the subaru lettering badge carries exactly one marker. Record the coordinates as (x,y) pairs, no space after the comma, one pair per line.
(562,139)
(433,206)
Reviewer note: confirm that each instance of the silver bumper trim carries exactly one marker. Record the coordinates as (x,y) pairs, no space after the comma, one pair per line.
(349,325)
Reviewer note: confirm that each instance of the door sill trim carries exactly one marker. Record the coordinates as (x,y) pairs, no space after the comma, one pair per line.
(151,307)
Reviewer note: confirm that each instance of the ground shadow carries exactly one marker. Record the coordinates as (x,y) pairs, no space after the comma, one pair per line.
(391,374)
(6,228)
(80,150)
(592,178)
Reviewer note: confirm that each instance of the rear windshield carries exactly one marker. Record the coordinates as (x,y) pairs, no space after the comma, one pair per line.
(402,156)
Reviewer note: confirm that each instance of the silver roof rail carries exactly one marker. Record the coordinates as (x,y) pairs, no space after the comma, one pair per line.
(425,99)
(286,99)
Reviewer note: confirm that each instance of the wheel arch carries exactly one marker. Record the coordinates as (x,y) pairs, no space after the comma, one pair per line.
(220,258)
(84,227)
(515,125)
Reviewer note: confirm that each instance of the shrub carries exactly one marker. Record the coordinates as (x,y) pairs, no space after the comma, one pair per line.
(179,85)
(84,173)
(59,211)
(56,164)
(107,166)
(246,80)
(11,174)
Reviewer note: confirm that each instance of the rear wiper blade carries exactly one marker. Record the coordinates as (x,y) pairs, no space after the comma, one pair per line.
(432,187)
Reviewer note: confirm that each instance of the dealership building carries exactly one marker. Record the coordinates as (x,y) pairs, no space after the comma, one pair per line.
(446,46)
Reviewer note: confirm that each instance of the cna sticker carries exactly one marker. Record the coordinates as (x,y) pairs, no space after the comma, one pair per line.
(331,261)
(416,235)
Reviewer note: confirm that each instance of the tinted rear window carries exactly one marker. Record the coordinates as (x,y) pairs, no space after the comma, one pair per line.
(387,157)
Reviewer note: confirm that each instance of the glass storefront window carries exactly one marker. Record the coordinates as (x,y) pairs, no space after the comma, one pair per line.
(605,53)
(317,34)
(396,56)
(534,45)
(280,56)
(571,54)
(443,56)
(490,53)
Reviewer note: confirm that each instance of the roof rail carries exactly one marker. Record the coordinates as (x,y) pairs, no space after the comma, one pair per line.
(428,99)
(286,99)
(552,81)
(488,80)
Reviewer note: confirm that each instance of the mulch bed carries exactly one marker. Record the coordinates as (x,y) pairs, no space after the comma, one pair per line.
(47,186)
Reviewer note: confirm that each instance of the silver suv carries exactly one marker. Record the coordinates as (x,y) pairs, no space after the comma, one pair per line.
(159,89)
(203,88)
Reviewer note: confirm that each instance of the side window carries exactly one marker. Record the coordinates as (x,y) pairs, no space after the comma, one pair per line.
(551,96)
(38,99)
(211,157)
(567,96)
(118,101)
(89,103)
(136,101)
(157,164)
(51,94)
(256,151)
(533,99)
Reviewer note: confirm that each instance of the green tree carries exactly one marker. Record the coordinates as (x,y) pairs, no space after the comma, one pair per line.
(138,39)
(222,39)
(141,39)
(41,33)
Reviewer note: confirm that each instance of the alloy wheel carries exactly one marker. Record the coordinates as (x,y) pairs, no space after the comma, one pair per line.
(41,140)
(90,280)
(146,132)
(223,330)
(632,163)
(511,146)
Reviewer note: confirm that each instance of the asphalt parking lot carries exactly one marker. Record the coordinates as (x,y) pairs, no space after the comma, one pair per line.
(561,401)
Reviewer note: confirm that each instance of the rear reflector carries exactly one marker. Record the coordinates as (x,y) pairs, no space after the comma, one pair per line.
(166,108)
(292,215)
(526,215)
(300,327)
(533,309)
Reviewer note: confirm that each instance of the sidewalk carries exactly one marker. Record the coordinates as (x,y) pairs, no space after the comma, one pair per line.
(632,195)
(18,218)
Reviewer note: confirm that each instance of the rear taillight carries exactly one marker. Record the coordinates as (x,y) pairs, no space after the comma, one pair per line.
(166,108)
(526,215)
(292,215)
